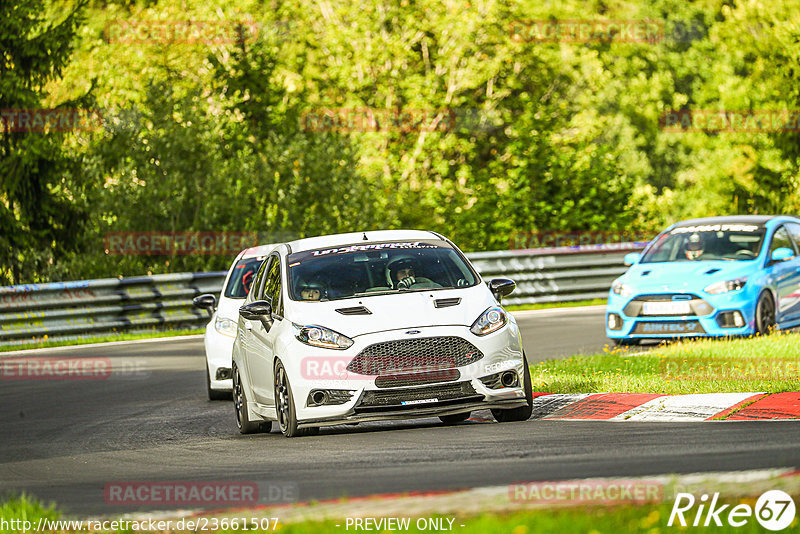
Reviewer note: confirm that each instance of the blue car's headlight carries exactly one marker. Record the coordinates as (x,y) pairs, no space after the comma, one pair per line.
(492,319)
(225,326)
(319,336)
(621,289)
(725,286)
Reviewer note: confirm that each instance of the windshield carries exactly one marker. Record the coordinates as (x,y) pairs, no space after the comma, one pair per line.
(242,276)
(376,268)
(728,242)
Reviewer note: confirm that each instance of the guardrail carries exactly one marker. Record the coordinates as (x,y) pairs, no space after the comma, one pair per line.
(89,308)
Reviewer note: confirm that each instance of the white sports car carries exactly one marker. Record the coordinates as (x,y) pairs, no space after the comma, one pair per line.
(221,329)
(373,326)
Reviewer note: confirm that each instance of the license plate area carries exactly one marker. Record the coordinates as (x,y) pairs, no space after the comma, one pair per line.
(667,308)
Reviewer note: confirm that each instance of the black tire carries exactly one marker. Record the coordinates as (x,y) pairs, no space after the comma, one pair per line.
(625,342)
(765,314)
(284,406)
(215,394)
(243,422)
(454,418)
(523,413)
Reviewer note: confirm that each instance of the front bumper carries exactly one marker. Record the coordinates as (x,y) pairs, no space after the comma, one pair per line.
(501,351)
(417,413)
(219,348)
(728,314)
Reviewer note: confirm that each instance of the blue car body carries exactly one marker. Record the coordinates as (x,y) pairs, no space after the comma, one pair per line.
(730,290)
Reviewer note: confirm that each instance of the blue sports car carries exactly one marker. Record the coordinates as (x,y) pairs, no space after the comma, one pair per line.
(717,276)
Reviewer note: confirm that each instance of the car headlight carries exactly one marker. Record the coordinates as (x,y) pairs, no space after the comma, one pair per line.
(319,336)
(492,319)
(725,286)
(225,326)
(621,289)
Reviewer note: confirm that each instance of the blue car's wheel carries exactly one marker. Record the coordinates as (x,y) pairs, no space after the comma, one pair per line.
(765,314)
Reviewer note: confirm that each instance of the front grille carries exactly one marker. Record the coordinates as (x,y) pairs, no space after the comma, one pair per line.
(393,399)
(689,304)
(423,354)
(417,379)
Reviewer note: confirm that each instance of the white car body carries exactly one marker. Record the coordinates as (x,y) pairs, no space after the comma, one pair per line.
(413,323)
(220,331)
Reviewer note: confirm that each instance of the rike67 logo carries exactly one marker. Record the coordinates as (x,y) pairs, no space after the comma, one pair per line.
(774,510)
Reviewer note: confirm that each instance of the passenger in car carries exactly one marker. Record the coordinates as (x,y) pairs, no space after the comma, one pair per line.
(311,290)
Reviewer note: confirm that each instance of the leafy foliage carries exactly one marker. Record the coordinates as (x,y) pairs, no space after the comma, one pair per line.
(509,134)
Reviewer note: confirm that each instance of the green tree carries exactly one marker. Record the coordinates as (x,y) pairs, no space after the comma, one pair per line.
(41,206)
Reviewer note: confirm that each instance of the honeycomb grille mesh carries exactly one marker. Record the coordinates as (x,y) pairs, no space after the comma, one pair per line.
(423,354)
(417,379)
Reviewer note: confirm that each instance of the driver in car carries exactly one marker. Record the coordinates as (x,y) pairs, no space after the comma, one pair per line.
(403,275)
(695,247)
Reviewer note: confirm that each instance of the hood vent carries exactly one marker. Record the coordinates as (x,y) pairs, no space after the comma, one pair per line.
(712,271)
(446,303)
(355,310)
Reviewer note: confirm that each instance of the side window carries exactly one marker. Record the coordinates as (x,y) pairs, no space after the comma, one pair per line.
(780,239)
(272,285)
(794,229)
(258,281)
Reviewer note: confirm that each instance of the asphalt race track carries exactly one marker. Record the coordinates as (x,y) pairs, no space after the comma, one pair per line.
(65,440)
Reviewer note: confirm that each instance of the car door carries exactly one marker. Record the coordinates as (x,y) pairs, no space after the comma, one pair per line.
(245,329)
(792,297)
(785,276)
(262,336)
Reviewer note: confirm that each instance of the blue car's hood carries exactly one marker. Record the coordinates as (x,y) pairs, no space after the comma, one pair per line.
(684,275)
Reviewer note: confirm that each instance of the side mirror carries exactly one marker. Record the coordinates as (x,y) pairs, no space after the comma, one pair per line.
(781,254)
(260,310)
(206,301)
(500,287)
(632,258)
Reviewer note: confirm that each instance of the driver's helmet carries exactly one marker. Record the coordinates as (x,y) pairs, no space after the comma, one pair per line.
(401,265)
(311,290)
(694,246)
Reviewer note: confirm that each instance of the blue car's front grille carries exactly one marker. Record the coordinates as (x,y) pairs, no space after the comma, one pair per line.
(668,305)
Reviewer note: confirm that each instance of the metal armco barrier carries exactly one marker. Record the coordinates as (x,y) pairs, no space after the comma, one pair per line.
(69,310)
(557,275)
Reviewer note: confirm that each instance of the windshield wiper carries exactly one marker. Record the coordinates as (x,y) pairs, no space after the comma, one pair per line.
(370,293)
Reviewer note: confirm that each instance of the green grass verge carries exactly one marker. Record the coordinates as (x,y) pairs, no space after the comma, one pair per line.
(45,343)
(546,305)
(647,518)
(24,508)
(764,363)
